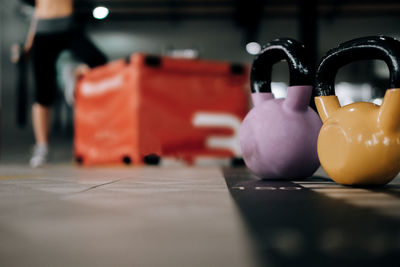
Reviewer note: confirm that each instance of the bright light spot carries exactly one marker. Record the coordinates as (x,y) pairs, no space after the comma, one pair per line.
(377,101)
(183,53)
(253,48)
(100,12)
(279,89)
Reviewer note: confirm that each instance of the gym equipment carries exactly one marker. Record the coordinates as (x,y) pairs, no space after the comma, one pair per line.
(19,58)
(148,107)
(278,137)
(359,144)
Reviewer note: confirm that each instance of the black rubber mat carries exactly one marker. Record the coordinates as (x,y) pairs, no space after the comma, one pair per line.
(292,225)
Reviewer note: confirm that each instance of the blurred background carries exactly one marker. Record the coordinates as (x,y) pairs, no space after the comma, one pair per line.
(227,30)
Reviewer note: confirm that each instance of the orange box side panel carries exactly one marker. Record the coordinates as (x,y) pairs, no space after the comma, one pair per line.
(105,125)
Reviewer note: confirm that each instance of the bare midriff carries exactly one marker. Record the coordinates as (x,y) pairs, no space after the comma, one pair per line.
(49,9)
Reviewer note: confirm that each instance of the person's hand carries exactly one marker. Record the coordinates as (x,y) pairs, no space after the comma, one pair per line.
(15,53)
(28,47)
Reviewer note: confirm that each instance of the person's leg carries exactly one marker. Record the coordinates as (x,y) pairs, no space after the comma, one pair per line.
(85,50)
(44,54)
(41,121)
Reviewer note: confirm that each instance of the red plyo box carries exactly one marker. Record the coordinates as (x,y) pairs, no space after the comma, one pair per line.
(179,108)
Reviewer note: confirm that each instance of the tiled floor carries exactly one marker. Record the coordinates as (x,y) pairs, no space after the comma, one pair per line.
(68,216)
(64,215)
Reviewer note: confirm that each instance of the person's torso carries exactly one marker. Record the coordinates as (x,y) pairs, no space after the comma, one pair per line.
(51,9)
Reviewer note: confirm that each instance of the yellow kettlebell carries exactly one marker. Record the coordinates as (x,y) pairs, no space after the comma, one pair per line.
(359,144)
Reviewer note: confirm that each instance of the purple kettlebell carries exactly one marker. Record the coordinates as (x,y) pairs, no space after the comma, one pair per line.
(278,137)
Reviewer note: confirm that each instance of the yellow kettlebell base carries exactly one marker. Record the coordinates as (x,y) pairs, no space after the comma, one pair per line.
(359,144)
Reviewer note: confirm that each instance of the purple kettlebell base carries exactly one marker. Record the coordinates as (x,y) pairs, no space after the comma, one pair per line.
(278,137)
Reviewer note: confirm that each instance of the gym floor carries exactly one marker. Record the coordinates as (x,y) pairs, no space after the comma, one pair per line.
(65,215)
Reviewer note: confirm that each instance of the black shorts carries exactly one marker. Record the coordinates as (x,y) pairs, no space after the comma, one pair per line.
(45,51)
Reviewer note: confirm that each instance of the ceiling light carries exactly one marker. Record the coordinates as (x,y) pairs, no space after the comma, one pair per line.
(253,48)
(100,12)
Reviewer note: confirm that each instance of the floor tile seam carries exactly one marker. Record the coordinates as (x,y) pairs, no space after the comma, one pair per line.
(101,185)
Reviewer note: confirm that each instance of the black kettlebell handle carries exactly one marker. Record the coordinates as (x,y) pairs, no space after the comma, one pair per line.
(286,49)
(365,48)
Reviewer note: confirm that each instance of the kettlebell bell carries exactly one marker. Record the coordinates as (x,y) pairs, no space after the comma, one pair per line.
(278,137)
(359,144)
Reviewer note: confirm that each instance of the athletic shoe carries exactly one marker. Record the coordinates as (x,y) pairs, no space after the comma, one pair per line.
(39,156)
